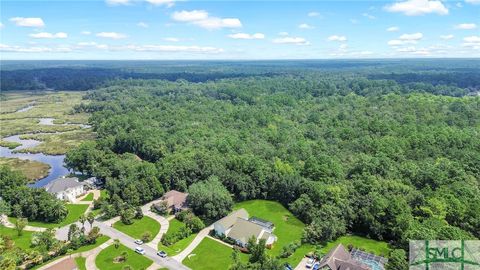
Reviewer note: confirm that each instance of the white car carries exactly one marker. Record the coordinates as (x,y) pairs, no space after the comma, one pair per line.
(140,250)
(310,263)
(139,242)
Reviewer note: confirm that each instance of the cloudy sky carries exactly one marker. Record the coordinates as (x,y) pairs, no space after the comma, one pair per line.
(169,29)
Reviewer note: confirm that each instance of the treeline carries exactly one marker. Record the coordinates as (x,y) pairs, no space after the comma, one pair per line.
(469,78)
(345,154)
(71,79)
(21,201)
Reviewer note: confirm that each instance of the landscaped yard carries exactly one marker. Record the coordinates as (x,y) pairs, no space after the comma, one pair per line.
(139,227)
(88,198)
(20,241)
(74,212)
(210,254)
(372,246)
(174,226)
(287,227)
(80,261)
(100,240)
(105,259)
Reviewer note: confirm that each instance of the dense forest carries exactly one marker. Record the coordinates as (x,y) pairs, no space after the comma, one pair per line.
(389,160)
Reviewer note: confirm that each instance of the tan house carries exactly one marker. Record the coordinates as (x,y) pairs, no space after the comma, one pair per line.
(339,258)
(240,228)
(176,201)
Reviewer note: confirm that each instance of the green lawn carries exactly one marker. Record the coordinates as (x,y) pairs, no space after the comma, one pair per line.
(287,227)
(104,260)
(100,240)
(174,226)
(210,254)
(80,261)
(88,198)
(22,242)
(103,194)
(373,246)
(139,227)
(74,212)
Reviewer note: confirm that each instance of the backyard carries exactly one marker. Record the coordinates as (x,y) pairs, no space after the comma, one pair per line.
(369,245)
(106,259)
(139,227)
(287,227)
(201,257)
(22,242)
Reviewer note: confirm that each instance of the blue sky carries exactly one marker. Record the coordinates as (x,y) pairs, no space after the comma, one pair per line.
(169,29)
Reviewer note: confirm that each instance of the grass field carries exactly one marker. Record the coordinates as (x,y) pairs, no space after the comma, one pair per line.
(287,227)
(174,226)
(74,212)
(33,170)
(372,246)
(22,242)
(80,261)
(104,260)
(140,226)
(210,254)
(59,143)
(57,105)
(100,240)
(88,198)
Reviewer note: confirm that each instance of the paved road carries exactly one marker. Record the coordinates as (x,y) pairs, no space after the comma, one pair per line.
(150,252)
(127,241)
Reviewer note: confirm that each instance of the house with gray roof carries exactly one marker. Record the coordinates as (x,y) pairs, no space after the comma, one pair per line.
(240,228)
(339,258)
(67,189)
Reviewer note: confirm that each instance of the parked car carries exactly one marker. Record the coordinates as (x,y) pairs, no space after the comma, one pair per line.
(288,266)
(140,250)
(139,242)
(310,263)
(316,266)
(162,254)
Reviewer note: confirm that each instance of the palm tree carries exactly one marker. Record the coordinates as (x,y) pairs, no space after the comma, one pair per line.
(82,220)
(91,218)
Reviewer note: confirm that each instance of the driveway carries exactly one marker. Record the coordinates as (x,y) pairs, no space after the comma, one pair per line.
(196,241)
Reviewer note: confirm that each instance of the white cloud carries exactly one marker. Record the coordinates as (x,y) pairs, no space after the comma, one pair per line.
(393,29)
(190,16)
(466,26)
(354,21)
(337,38)
(247,36)
(415,36)
(460,5)
(291,40)
(112,35)
(283,34)
(418,7)
(371,17)
(168,3)
(313,14)
(305,26)
(398,42)
(446,37)
(475,2)
(33,49)
(28,22)
(173,48)
(202,19)
(171,39)
(49,35)
(117,2)
(86,33)
(472,42)
(1,25)
(142,24)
